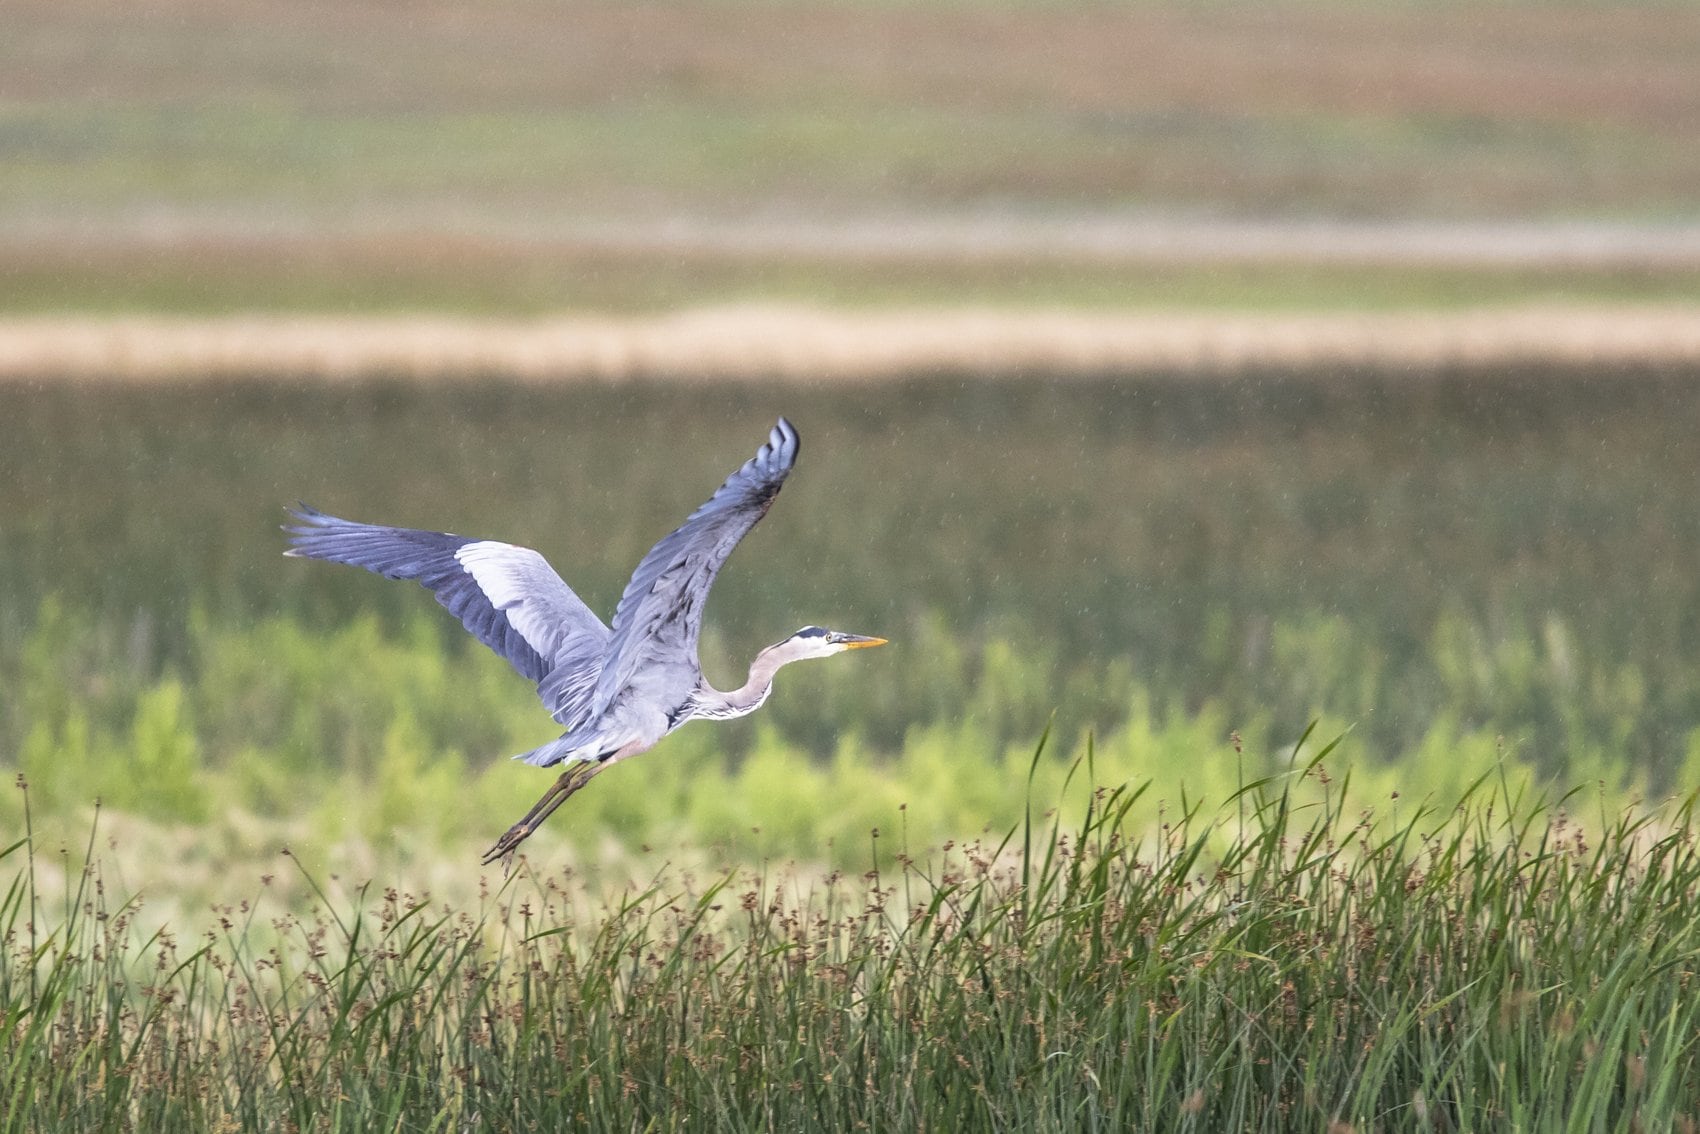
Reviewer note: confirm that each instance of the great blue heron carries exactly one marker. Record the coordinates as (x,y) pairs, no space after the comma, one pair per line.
(616,691)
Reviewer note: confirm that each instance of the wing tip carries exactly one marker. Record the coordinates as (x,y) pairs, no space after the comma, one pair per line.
(784,442)
(303,513)
(307,521)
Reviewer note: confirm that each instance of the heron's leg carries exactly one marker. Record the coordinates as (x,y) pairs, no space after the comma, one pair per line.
(570,781)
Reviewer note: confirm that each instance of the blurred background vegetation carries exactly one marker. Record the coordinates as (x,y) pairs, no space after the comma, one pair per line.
(529,155)
(1462,566)
(1460,569)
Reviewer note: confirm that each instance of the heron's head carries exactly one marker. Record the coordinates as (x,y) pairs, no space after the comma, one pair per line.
(819,642)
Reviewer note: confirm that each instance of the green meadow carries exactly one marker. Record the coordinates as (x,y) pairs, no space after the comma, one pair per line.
(1456,570)
(1511,551)
(1256,752)
(1457,573)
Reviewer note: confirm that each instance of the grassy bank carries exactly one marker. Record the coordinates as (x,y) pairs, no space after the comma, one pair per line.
(1305,956)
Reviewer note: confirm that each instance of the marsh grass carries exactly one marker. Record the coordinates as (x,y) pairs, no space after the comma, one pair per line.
(1293,960)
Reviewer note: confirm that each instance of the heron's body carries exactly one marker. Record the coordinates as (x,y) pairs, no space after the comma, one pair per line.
(616,690)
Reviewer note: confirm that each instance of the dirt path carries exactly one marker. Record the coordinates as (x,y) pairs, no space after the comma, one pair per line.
(807,344)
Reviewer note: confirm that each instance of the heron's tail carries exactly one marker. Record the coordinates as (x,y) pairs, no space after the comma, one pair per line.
(558,751)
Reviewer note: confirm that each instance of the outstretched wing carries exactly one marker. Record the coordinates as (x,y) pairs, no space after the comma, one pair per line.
(509,597)
(660,614)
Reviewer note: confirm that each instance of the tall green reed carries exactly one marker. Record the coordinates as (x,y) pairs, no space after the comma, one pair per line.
(1293,959)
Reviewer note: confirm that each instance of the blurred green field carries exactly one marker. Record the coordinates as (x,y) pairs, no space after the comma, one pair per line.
(1459,568)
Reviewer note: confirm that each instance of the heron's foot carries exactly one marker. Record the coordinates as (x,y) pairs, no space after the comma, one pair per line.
(570,781)
(507,845)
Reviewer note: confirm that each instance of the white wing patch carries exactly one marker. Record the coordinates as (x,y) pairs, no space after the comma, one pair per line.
(506,574)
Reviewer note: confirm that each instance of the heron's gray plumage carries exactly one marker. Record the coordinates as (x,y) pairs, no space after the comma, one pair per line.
(659,619)
(637,678)
(508,597)
(618,691)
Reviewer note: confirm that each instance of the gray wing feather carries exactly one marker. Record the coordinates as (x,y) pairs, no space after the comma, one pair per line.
(659,618)
(508,597)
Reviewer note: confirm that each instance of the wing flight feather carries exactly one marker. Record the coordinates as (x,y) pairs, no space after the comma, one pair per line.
(659,618)
(508,597)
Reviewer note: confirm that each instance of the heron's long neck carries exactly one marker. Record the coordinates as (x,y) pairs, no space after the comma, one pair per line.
(712,704)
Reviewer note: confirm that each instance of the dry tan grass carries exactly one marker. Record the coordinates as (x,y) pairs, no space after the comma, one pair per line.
(809,344)
(1606,61)
(1504,109)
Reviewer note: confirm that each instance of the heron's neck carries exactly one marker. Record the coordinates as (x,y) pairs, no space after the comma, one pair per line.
(713,704)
